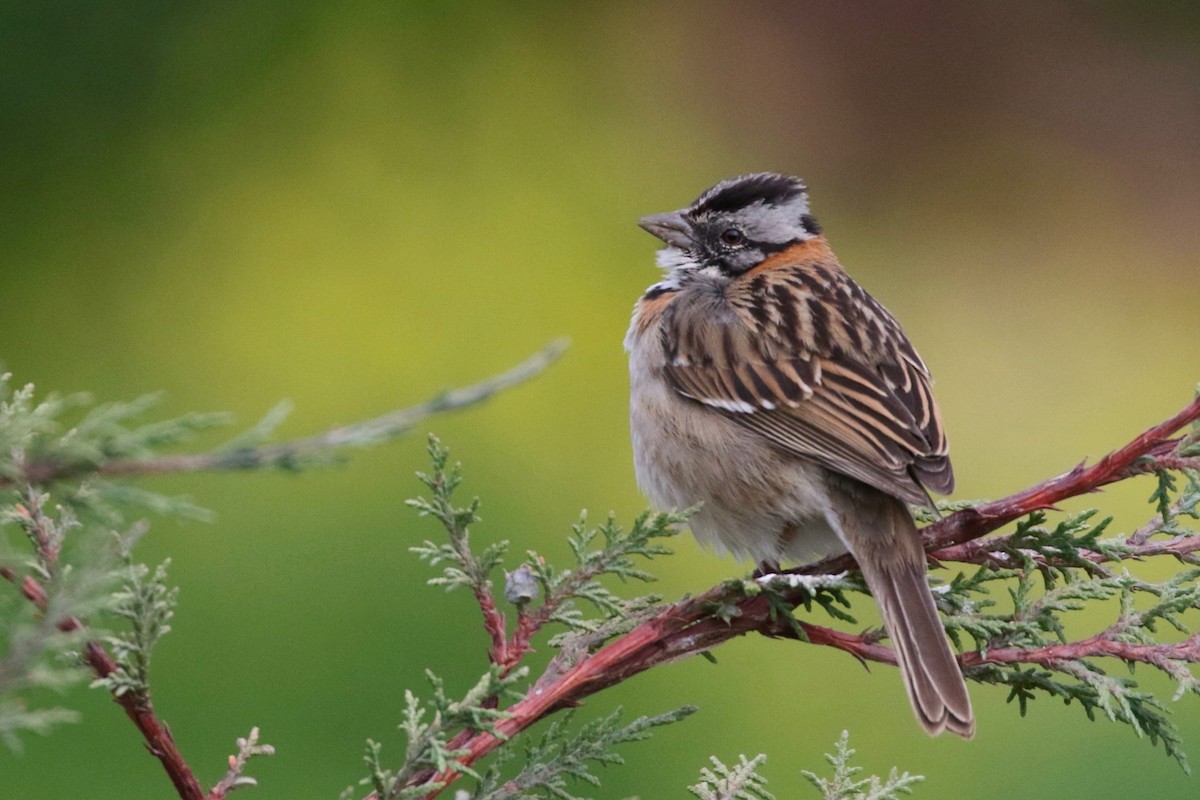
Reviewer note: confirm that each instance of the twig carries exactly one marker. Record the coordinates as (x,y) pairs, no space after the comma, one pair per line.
(235,777)
(988,551)
(140,710)
(530,622)
(1096,646)
(46,545)
(1149,452)
(497,629)
(288,454)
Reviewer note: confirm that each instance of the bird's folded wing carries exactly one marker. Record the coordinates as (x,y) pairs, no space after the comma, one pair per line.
(839,384)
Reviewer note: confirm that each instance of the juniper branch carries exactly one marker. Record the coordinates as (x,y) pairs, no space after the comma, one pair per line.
(697,624)
(465,568)
(1149,452)
(560,755)
(154,732)
(292,454)
(992,552)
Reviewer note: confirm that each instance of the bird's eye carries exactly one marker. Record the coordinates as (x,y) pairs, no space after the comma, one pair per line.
(732,236)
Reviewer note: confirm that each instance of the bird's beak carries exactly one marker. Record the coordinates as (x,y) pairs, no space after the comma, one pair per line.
(672,227)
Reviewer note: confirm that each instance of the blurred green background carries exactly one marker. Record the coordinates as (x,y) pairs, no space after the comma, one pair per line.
(357,205)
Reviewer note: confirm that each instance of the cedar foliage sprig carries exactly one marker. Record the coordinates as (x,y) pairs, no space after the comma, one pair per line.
(69,445)
(429,727)
(742,781)
(739,782)
(846,785)
(146,602)
(236,778)
(464,568)
(31,648)
(564,588)
(49,584)
(559,588)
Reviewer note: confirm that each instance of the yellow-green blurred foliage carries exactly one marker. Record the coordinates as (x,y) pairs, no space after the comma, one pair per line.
(355,205)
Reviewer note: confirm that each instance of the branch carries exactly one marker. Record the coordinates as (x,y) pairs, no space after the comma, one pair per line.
(989,552)
(1151,451)
(529,623)
(698,624)
(139,709)
(1096,646)
(288,455)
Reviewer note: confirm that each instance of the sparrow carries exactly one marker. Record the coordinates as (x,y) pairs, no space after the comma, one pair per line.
(770,389)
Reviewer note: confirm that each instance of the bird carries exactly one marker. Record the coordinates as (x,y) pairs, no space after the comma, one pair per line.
(771,390)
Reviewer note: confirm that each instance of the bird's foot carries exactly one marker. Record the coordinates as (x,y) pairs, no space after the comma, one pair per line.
(764,569)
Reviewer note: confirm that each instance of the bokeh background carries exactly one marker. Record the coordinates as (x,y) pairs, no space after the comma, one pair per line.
(356,205)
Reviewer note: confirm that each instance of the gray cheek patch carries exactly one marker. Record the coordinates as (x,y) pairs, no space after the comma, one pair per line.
(744,260)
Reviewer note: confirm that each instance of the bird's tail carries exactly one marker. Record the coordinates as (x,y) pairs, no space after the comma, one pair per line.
(881,534)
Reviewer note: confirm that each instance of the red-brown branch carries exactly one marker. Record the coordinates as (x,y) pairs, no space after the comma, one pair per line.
(494,624)
(138,708)
(987,551)
(690,626)
(1095,647)
(530,622)
(864,647)
(1150,452)
(154,731)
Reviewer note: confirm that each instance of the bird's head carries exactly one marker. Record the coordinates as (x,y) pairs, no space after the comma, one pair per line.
(735,225)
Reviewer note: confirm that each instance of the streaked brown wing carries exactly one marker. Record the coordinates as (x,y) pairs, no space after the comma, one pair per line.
(819,368)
